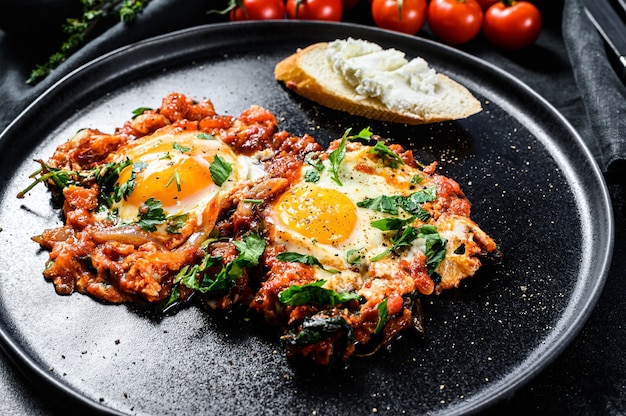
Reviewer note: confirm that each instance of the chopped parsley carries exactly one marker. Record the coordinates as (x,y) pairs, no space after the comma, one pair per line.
(199,277)
(311,175)
(365,137)
(139,111)
(383,315)
(313,159)
(205,136)
(304,259)
(403,238)
(175,178)
(107,177)
(382,150)
(411,203)
(336,157)
(151,214)
(252,201)
(175,223)
(181,148)
(353,256)
(220,170)
(416,179)
(435,245)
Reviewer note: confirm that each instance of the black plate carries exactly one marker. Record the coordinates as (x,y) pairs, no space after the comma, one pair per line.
(534,188)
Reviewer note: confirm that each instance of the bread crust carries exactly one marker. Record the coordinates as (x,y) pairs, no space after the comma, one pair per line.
(318,82)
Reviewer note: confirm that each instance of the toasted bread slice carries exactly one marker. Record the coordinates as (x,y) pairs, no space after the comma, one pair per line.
(310,74)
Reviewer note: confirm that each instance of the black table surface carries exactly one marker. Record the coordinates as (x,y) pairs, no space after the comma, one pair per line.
(589,377)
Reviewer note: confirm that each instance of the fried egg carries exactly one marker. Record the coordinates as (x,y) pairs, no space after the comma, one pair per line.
(322,219)
(175,169)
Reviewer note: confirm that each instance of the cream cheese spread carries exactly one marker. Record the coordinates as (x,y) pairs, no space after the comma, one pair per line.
(384,74)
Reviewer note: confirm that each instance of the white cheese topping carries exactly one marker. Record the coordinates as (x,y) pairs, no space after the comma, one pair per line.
(382,73)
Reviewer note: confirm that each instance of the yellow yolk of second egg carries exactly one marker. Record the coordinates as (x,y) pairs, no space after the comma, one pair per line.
(323,214)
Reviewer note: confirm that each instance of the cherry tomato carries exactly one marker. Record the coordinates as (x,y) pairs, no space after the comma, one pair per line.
(257,10)
(330,10)
(512,24)
(455,21)
(408,18)
(485,4)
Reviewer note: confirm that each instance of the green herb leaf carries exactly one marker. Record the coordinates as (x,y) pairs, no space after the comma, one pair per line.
(139,111)
(336,157)
(354,256)
(175,178)
(313,159)
(383,315)
(311,175)
(416,179)
(411,203)
(317,328)
(383,203)
(390,224)
(435,247)
(364,137)
(403,238)
(107,177)
(96,17)
(60,177)
(196,277)
(314,293)
(175,223)
(220,170)
(172,298)
(181,148)
(205,136)
(250,250)
(304,259)
(151,214)
(382,150)
(252,201)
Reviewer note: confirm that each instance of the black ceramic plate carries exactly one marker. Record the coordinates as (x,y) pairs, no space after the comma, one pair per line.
(533,185)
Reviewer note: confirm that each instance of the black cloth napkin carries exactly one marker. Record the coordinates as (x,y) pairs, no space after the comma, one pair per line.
(603,92)
(603,127)
(20,51)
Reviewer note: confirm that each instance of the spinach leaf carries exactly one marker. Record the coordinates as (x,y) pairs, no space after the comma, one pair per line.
(318,328)
(314,293)
(435,247)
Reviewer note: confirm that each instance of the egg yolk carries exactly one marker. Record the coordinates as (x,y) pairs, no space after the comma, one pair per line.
(175,172)
(323,214)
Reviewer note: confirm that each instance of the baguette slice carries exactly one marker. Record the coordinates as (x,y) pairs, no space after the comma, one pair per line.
(309,74)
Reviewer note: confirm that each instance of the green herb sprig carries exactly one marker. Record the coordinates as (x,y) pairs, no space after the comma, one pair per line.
(97,15)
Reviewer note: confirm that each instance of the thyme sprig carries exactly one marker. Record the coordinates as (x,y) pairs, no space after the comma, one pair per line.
(96,16)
